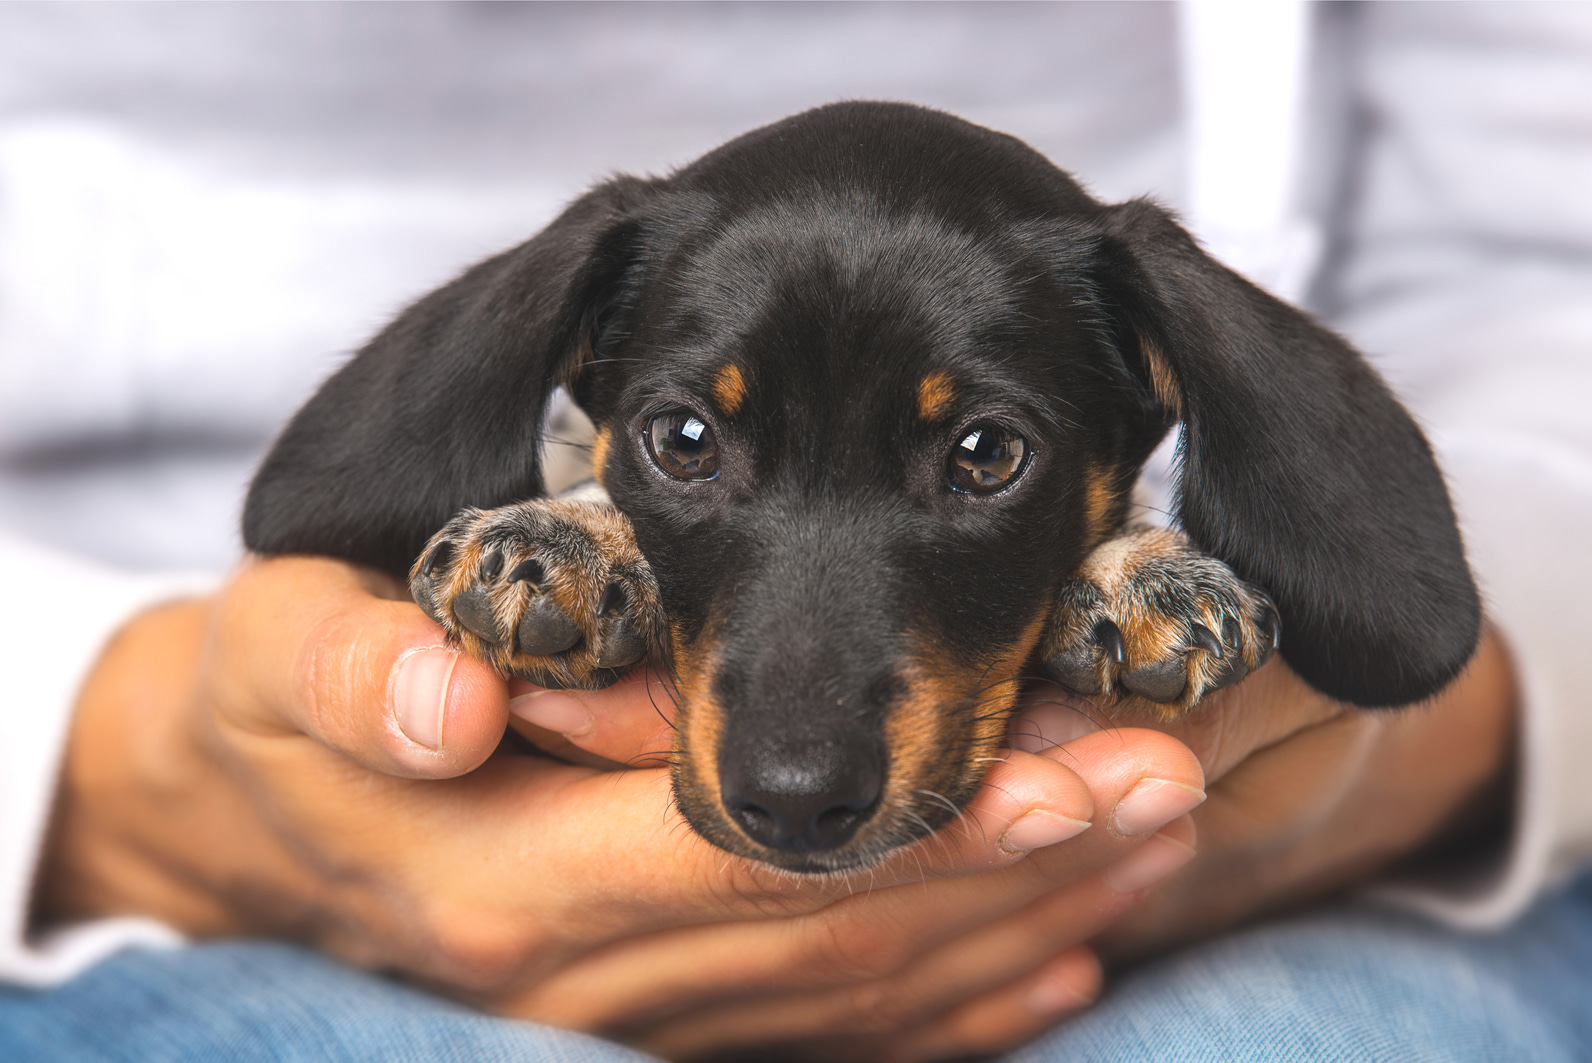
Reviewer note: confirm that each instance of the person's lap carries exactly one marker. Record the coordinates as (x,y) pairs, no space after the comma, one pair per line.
(1355,983)
(1350,983)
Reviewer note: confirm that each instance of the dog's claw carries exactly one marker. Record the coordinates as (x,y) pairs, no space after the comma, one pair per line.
(438,555)
(491,565)
(528,571)
(1270,626)
(1206,640)
(1233,633)
(1110,638)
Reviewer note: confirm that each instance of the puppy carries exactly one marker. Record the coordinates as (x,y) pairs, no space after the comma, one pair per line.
(872,386)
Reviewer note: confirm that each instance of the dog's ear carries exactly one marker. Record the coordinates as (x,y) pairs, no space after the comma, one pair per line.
(444,408)
(1298,468)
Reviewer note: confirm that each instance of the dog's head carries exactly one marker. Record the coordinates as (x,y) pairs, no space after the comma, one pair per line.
(869,383)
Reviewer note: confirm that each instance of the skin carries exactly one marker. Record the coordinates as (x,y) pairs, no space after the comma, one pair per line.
(236,767)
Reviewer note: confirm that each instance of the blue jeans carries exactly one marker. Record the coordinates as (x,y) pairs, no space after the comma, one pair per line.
(1351,983)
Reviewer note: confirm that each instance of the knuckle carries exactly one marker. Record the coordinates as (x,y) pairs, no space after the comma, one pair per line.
(877,1008)
(473,950)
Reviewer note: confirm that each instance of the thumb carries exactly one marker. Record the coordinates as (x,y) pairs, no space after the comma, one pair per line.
(312,646)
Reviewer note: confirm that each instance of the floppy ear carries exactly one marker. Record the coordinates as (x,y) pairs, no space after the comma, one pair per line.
(444,408)
(1299,469)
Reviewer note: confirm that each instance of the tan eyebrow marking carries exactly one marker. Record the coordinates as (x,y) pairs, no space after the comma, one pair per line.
(935,393)
(729,389)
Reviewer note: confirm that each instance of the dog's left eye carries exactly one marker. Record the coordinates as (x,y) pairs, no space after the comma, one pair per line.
(987,459)
(683,446)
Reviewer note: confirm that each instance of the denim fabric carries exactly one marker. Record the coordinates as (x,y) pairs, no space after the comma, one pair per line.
(1349,984)
(1360,984)
(261,1001)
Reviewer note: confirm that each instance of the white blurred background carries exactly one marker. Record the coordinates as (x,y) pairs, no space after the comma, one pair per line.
(205,208)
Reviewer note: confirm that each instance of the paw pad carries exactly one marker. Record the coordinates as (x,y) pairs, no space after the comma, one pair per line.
(553,591)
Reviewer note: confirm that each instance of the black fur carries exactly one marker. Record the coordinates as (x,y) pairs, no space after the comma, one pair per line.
(837,256)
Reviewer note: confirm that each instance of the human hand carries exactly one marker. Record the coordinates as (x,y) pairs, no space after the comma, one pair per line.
(1308,796)
(299,757)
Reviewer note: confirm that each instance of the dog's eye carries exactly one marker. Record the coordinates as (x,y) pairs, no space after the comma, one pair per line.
(986,460)
(683,445)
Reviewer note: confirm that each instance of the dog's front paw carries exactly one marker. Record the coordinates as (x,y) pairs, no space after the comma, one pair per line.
(552,590)
(1149,617)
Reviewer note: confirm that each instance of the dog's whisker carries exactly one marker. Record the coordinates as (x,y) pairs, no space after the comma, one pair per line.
(942,799)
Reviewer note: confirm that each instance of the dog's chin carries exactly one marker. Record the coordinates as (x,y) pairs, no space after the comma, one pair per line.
(869,849)
(829,862)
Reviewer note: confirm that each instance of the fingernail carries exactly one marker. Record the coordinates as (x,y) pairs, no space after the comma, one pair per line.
(555,710)
(420,694)
(1153,804)
(1038,828)
(1148,864)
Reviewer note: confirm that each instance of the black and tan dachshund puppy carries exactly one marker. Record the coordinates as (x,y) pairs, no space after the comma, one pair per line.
(872,386)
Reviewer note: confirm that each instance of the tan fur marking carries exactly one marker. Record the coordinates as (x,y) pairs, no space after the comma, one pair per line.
(1114,561)
(698,736)
(1100,504)
(729,389)
(935,393)
(951,720)
(1162,380)
(599,453)
(917,734)
(1149,635)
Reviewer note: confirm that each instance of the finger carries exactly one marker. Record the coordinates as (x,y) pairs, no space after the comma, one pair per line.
(977,963)
(990,988)
(1027,802)
(1140,779)
(304,645)
(1048,715)
(1222,730)
(629,724)
(840,932)
(1267,708)
(1276,811)
(1010,1015)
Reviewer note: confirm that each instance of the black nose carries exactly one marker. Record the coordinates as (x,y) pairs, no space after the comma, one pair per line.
(801,796)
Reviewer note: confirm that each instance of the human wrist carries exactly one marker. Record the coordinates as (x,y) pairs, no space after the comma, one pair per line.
(1478,763)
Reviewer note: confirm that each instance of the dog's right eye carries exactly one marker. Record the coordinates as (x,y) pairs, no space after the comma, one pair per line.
(683,446)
